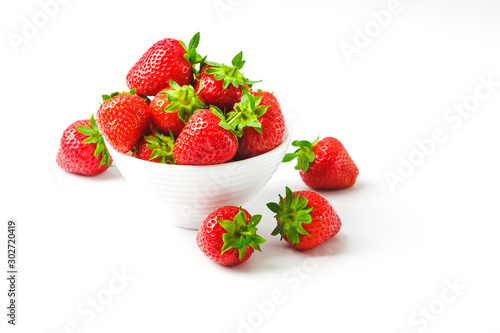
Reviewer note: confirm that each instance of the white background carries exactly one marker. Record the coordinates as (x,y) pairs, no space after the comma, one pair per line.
(399,249)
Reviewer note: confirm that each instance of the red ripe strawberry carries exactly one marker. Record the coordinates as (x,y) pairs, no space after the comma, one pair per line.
(82,149)
(222,85)
(305,219)
(204,140)
(171,108)
(168,59)
(228,235)
(122,120)
(325,164)
(155,148)
(259,123)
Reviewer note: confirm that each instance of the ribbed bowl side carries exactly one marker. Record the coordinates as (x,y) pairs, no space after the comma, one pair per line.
(187,194)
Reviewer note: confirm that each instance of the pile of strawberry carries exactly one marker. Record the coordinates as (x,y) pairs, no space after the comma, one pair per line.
(182,109)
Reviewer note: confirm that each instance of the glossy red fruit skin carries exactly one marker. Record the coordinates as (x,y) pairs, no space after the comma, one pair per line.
(332,167)
(165,121)
(203,141)
(77,157)
(209,237)
(324,225)
(212,92)
(162,62)
(252,143)
(122,121)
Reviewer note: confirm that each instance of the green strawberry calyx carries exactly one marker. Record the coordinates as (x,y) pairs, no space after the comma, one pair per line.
(94,136)
(291,213)
(304,154)
(191,54)
(161,146)
(241,234)
(230,74)
(223,120)
(183,99)
(246,114)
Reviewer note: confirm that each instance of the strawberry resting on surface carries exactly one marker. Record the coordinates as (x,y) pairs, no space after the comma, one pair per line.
(228,235)
(122,119)
(167,59)
(324,164)
(82,149)
(305,219)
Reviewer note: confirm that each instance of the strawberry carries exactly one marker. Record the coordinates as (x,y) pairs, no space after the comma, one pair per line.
(206,139)
(305,219)
(156,147)
(228,235)
(167,59)
(171,108)
(258,122)
(122,119)
(324,164)
(82,149)
(222,85)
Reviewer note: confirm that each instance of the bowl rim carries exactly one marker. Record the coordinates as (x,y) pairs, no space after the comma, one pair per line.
(287,135)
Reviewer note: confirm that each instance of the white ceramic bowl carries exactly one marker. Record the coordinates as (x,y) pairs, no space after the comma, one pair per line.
(188,193)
